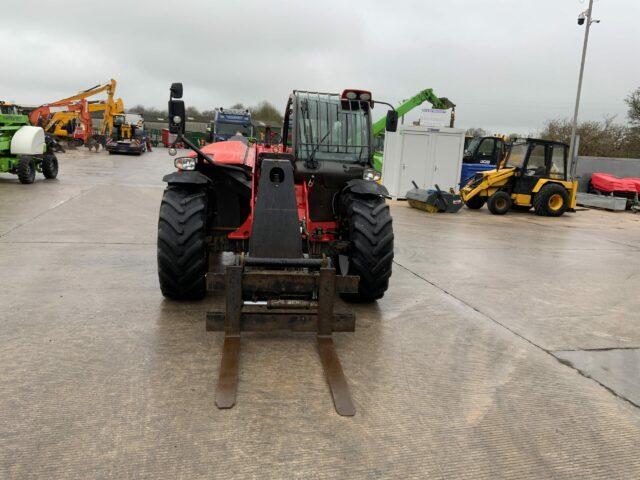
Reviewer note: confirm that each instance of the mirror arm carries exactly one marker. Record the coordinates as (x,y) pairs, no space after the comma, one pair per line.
(387,104)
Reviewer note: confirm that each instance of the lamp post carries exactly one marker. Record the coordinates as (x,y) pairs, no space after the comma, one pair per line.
(584,17)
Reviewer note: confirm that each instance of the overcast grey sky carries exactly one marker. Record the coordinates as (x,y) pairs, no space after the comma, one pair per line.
(508,64)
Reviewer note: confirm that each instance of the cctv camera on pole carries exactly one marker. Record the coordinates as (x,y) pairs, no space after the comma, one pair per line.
(584,17)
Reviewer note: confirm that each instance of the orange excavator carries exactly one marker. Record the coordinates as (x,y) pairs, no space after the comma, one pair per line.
(70,118)
(71,122)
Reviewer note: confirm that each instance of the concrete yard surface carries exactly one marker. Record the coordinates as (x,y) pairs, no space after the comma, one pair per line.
(506,347)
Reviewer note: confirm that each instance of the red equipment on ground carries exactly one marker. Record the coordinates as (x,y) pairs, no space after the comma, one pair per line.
(607,183)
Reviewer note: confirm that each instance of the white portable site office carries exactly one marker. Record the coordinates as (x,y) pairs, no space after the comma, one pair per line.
(425,155)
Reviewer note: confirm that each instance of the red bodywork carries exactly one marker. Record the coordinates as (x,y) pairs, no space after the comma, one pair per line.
(237,153)
(607,183)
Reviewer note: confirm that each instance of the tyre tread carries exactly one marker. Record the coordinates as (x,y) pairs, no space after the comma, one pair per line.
(182,246)
(371,235)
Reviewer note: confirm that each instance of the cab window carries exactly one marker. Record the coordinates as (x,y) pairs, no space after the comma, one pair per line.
(485,150)
(517,155)
(557,170)
(536,164)
(499,149)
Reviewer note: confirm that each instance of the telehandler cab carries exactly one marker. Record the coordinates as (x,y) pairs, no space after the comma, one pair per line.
(534,174)
(292,213)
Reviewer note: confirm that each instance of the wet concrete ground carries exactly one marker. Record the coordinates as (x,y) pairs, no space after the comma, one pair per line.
(506,347)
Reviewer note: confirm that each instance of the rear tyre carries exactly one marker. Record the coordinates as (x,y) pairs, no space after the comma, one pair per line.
(49,166)
(182,245)
(499,203)
(371,254)
(476,202)
(551,201)
(26,170)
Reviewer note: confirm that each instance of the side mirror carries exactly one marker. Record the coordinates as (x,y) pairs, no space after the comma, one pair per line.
(177,113)
(176,90)
(391,124)
(177,116)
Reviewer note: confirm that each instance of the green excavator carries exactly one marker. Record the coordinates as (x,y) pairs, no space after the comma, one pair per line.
(378,128)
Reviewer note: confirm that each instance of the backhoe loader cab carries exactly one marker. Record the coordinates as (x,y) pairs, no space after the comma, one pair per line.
(535,174)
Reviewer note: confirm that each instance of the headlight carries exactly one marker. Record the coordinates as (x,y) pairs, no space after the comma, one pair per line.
(177,119)
(371,174)
(185,163)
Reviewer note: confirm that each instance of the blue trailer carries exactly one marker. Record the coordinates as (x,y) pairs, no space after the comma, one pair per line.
(228,122)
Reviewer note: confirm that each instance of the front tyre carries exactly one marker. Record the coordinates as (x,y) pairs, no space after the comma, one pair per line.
(49,166)
(371,253)
(476,202)
(499,203)
(551,201)
(182,245)
(26,170)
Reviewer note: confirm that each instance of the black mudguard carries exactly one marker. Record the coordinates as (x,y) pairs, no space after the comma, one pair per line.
(186,177)
(360,186)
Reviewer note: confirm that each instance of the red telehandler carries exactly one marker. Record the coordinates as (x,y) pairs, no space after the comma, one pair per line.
(293,213)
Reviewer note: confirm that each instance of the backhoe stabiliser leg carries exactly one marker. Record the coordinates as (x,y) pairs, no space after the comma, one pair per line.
(308,316)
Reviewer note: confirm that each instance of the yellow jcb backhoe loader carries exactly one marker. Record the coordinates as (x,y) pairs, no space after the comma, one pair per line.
(534,174)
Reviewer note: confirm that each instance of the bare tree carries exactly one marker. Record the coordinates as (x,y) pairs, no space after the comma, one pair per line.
(633,102)
(597,139)
(476,132)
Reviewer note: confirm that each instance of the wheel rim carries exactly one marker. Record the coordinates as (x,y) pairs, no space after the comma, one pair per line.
(555,202)
(501,203)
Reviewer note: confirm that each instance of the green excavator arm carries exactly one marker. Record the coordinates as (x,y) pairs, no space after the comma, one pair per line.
(405,107)
(415,101)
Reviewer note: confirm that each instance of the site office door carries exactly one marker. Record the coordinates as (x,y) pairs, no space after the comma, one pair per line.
(415,161)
